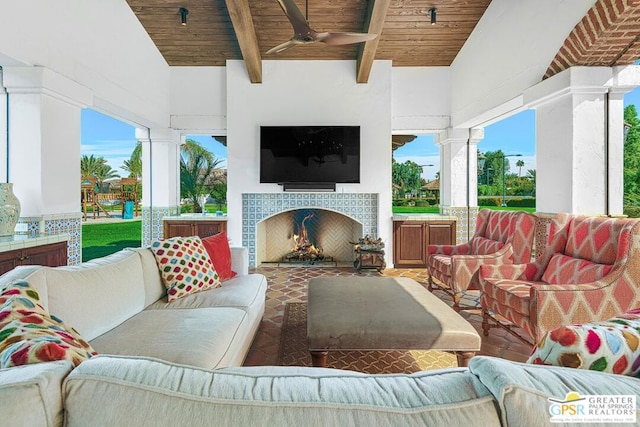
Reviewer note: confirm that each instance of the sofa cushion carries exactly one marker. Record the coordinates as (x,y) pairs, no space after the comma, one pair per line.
(565,269)
(483,246)
(523,391)
(28,334)
(609,346)
(153,285)
(197,337)
(240,292)
(184,265)
(156,391)
(31,395)
(98,295)
(217,247)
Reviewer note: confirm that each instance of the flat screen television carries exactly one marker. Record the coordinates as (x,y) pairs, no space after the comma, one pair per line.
(309,154)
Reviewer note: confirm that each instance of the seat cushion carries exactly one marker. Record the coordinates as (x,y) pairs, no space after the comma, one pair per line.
(441,264)
(239,292)
(509,293)
(199,337)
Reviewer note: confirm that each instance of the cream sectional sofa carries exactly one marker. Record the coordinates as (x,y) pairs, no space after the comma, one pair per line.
(118,304)
(176,364)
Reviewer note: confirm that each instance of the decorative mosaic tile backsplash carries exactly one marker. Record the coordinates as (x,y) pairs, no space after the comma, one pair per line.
(70,224)
(466,223)
(362,207)
(152,227)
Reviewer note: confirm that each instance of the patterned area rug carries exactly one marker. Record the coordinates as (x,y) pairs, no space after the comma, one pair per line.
(294,351)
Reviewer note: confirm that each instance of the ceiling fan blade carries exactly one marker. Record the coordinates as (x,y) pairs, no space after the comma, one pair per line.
(344,38)
(297,19)
(283,46)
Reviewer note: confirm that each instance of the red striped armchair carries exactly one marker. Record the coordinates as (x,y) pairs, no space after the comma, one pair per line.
(501,237)
(589,271)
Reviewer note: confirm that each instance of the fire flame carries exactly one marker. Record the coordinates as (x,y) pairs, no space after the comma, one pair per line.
(302,246)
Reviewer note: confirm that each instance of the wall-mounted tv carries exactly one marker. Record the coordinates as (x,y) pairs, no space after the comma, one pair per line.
(309,154)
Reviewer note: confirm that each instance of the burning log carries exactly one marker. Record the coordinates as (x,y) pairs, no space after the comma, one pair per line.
(304,249)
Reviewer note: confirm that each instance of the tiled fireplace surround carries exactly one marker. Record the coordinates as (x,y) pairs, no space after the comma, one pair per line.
(258,207)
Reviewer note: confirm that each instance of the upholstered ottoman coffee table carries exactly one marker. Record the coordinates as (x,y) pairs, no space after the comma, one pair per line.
(383,313)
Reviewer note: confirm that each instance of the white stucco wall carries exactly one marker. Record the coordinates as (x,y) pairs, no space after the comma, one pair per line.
(199,99)
(308,93)
(98,44)
(420,101)
(509,50)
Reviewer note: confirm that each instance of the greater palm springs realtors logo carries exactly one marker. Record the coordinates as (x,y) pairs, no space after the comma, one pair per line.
(593,408)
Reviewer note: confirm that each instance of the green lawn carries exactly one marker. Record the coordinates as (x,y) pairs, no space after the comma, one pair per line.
(99,240)
(436,209)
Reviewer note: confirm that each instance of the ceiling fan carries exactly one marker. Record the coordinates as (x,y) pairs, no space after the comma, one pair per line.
(304,34)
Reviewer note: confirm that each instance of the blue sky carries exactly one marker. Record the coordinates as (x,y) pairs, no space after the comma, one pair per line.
(114,140)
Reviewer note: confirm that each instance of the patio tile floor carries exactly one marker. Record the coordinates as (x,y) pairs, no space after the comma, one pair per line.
(289,284)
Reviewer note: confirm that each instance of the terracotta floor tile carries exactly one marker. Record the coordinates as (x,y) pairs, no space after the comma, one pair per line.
(289,284)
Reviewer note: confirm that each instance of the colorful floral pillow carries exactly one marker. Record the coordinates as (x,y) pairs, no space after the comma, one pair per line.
(28,334)
(217,246)
(610,346)
(185,266)
(565,269)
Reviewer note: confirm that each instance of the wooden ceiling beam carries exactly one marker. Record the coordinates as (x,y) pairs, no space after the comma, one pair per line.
(374,21)
(245,32)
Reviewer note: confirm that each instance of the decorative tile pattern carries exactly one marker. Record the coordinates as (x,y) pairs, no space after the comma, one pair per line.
(466,221)
(152,227)
(362,207)
(72,225)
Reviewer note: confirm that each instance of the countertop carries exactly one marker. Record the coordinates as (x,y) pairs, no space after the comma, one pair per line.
(197,217)
(422,217)
(10,243)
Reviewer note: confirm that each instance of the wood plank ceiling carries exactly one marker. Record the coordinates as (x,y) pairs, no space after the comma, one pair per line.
(210,39)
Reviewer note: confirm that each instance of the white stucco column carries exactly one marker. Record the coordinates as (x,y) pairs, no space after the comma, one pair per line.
(578,171)
(459,177)
(160,179)
(43,150)
(3,132)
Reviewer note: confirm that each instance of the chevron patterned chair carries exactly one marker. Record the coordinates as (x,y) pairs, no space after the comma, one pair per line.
(500,237)
(589,271)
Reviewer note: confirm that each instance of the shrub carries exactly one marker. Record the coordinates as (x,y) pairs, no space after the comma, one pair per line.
(489,201)
(631,211)
(422,203)
(522,203)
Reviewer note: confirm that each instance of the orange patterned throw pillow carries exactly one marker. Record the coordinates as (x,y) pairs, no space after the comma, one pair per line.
(28,334)
(185,266)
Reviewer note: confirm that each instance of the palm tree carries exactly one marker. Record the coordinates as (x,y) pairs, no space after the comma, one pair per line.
(520,165)
(97,167)
(196,167)
(134,164)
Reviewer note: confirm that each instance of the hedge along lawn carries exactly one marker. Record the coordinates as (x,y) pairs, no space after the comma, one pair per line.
(436,209)
(99,240)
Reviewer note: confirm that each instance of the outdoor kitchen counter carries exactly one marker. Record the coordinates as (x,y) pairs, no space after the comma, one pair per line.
(413,233)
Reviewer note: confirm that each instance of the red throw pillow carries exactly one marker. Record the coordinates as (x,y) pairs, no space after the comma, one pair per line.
(217,247)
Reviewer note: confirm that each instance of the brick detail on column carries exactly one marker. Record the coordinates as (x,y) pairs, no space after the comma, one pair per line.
(606,36)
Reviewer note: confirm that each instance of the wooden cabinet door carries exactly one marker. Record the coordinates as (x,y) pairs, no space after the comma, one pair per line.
(53,255)
(410,244)
(9,260)
(210,228)
(442,233)
(178,228)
